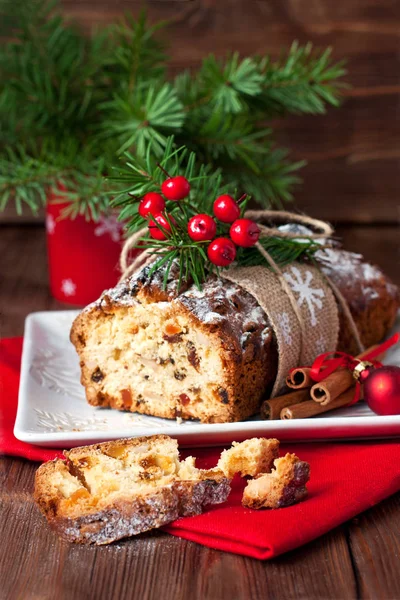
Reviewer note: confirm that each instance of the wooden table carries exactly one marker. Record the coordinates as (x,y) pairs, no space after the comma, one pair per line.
(360,559)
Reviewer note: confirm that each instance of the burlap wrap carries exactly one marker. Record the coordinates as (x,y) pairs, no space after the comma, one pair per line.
(315,301)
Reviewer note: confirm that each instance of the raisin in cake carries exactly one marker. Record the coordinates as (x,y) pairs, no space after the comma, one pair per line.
(112,490)
(209,355)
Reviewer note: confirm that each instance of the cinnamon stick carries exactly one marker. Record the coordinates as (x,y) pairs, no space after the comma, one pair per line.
(309,408)
(299,378)
(271,409)
(335,384)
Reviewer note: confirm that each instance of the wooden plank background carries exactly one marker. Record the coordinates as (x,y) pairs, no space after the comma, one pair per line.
(353,154)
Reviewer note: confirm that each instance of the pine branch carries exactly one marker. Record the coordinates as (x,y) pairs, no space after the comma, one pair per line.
(283,251)
(135,53)
(108,94)
(50,71)
(26,180)
(303,81)
(142,175)
(231,83)
(275,180)
(143,116)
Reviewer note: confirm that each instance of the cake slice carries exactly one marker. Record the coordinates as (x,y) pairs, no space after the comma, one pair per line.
(249,458)
(108,491)
(284,486)
(194,355)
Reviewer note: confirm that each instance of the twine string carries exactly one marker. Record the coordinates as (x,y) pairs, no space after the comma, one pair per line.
(346,311)
(286,288)
(267,219)
(127,268)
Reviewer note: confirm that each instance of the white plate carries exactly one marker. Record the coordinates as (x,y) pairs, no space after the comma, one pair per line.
(52,410)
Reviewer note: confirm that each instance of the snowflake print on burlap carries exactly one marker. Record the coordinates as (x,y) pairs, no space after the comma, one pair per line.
(306,294)
(284,326)
(50,224)
(68,287)
(109,224)
(320,345)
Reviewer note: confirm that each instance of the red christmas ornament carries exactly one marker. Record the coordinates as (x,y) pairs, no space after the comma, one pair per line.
(176,188)
(226,209)
(157,233)
(245,232)
(221,252)
(202,227)
(382,390)
(151,204)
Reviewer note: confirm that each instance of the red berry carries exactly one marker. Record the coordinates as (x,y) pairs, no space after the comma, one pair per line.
(226,209)
(157,233)
(221,252)
(201,228)
(176,188)
(151,204)
(245,232)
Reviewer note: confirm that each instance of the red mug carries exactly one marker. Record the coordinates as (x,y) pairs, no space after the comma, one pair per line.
(82,254)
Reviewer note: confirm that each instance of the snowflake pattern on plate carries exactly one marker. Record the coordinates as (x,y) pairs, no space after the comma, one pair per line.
(50,369)
(306,294)
(68,287)
(63,421)
(111,226)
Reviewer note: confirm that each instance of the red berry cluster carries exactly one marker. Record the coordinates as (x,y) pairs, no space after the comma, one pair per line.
(202,227)
(243,232)
(222,251)
(153,205)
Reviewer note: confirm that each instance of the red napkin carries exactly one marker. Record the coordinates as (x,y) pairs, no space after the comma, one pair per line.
(346,478)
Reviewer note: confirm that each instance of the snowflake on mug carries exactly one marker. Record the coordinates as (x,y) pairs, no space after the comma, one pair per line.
(50,224)
(68,287)
(109,224)
(307,294)
(284,326)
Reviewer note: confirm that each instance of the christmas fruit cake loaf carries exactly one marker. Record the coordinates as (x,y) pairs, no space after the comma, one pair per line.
(209,355)
(112,490)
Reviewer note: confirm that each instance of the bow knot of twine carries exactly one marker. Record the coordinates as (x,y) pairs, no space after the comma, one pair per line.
(268,222)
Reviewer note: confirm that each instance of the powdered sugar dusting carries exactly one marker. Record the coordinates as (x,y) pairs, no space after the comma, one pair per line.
(340,259)
(221,300)
(369,272)
(345,267)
